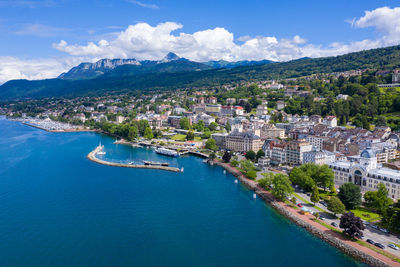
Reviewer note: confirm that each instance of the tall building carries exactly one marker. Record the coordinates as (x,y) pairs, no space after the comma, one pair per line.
(243,142)
(295,151)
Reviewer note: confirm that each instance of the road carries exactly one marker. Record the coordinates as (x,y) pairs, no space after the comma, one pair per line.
(369,232)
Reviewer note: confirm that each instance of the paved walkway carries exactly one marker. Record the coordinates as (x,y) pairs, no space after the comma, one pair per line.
(308,218)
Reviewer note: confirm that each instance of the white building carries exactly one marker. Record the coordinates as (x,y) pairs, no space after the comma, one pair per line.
(365,172)
(319,157)
(331,121)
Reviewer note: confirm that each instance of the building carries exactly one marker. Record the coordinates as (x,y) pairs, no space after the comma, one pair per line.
(212,100)
(275,150)
(330,121)
(280,105)
(396,76)
(220,139)
(295,151)
(316,141)
(262,110)
(342,97)
(213,109)
(365,172)
(231,110)
(120,119)
(230,101)
(269,131)
(319,157)
(243,142)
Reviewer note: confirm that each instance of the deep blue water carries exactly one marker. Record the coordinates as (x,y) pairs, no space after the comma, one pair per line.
(59,209)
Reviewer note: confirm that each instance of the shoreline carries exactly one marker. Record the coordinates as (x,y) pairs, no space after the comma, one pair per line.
(77,130)
(349,248)
(352,249)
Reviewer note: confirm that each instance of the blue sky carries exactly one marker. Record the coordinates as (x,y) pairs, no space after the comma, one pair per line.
(40,38)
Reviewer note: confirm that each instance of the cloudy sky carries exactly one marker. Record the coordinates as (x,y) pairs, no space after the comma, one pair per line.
(42,38)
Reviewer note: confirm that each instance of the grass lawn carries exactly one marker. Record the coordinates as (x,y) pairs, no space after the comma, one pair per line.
(308,202)
(380,251)
(182,137)
(366,214)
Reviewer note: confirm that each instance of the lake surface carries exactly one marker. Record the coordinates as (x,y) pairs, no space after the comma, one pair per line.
(57,208)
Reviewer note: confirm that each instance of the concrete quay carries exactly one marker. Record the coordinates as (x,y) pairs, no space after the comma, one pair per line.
(92,156)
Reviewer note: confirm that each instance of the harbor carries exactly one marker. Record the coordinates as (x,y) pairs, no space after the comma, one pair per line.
(150,165)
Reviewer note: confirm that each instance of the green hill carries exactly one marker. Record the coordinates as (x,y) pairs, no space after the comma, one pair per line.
(126,78)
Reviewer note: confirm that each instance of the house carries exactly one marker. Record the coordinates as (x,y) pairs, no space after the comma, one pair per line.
(280,105)
(262,110)
(330,121)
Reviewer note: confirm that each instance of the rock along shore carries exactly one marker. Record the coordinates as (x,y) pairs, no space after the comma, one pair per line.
(348,249)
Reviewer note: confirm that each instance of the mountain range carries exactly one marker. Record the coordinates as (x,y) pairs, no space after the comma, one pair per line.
(171,73)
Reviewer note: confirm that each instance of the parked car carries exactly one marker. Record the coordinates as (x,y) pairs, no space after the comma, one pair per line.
(384,230)
(334,224)
(308,194)
(371,241)
(366,223)
(393,247)
(374,226)
(299,205)
(324,203)
(379,245)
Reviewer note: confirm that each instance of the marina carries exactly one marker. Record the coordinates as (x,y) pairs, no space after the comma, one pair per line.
(147,164)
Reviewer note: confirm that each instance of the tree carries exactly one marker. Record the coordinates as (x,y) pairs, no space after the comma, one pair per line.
(251,174)
(260,153)
(325,177)
(200,126)
(315,195)
(350,195)
(235,163)
(184,123)
(133,132)
(211,144)
(391,217)
(266,182)
(251,155)
(227,156)
(246,165)
(281,186)
(148,133)
(247,107)
(299,177)
(213,126)
(190,136)
(336,206)
(351,224)
(293,200)
(381,121)
(378,199)
(228,127)
(212,156)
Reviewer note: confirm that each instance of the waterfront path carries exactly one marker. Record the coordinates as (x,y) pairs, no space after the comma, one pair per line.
(92,156)
(336,239)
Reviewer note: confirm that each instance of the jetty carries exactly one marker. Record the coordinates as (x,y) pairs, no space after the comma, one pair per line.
(92,156)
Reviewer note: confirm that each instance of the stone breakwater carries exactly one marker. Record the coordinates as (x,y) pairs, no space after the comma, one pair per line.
(92,156)
(266,196)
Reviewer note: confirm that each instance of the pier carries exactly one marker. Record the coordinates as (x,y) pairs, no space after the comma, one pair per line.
(92,156)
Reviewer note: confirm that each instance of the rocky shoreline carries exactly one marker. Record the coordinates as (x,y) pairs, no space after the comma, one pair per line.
(266,196)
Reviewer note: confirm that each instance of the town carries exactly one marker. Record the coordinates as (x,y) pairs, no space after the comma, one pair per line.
(344,125)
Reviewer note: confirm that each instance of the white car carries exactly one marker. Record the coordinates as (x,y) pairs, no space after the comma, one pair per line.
(393,247)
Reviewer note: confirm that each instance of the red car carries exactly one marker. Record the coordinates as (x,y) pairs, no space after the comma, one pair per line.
(299,205)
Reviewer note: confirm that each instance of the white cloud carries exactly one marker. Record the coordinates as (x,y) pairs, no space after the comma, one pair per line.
(141,4)
(143,41)
(386,21)
(33,69)
(41,30)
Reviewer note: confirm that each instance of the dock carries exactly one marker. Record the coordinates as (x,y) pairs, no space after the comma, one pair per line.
(92,156)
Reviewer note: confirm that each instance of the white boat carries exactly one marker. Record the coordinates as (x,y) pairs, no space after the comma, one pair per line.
(236,181)
(167,152)
(101,150)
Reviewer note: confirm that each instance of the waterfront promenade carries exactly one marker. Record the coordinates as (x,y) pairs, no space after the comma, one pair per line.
(336,239)
(92,156)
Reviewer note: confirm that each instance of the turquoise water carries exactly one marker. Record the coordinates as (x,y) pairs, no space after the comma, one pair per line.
(59,209)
